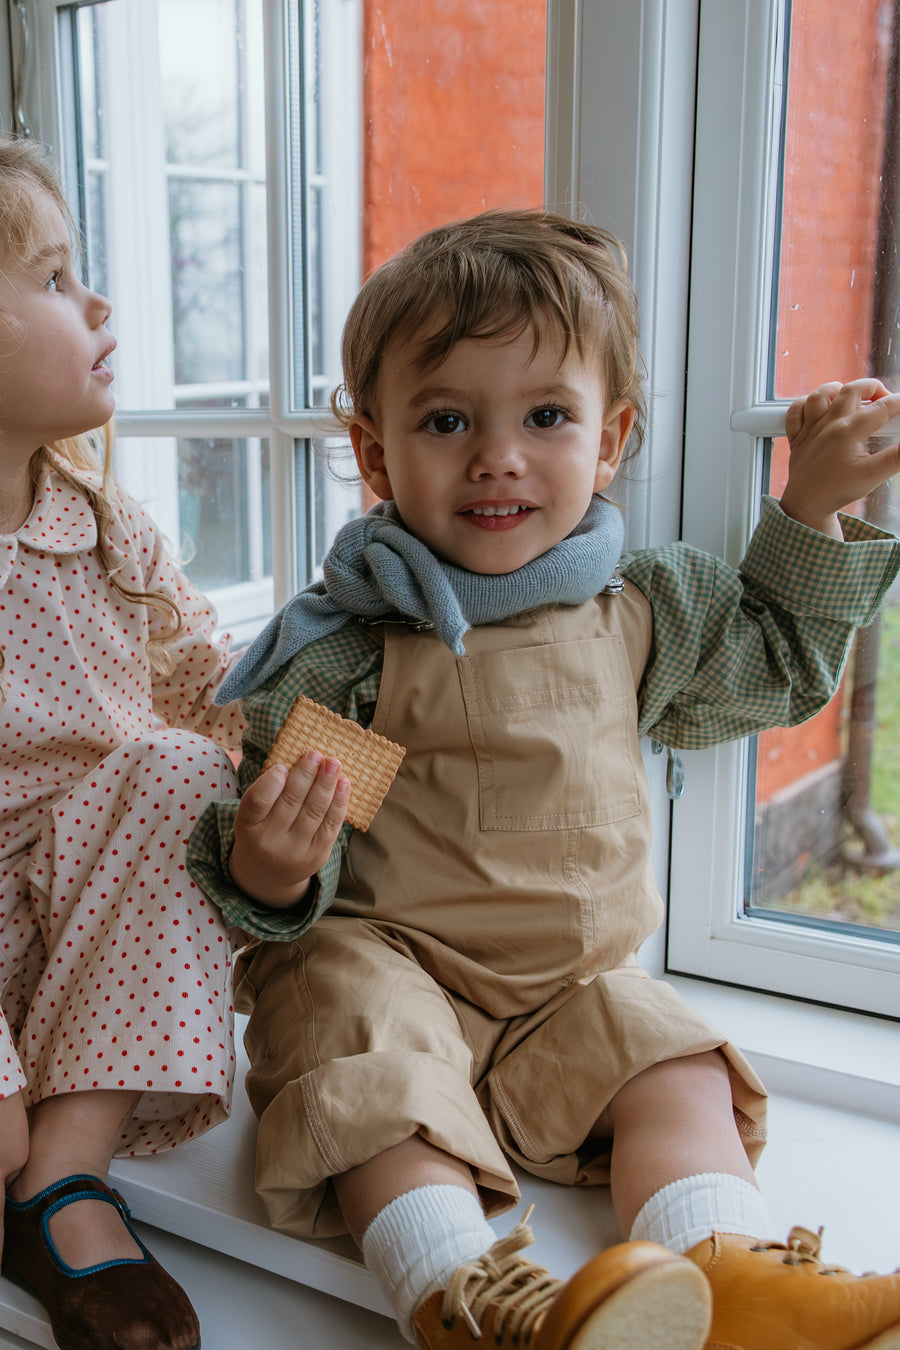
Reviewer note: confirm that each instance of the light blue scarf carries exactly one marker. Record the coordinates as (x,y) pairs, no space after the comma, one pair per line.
(376,568)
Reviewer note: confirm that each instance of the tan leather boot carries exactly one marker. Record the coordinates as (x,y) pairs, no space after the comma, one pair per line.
(635,1296)
(779,1296)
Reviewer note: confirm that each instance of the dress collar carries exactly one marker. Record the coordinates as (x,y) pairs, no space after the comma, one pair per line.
(60,521)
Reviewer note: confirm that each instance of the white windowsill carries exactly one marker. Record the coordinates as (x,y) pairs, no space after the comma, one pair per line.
(821,1054)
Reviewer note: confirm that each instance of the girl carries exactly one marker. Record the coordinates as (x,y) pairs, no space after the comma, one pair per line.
(115,1015)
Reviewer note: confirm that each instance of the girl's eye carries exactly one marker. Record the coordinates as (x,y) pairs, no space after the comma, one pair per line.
(444,423)
(545,418)
(53,281)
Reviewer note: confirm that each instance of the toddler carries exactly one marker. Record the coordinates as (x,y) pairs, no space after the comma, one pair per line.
(115,1009)
(457,989)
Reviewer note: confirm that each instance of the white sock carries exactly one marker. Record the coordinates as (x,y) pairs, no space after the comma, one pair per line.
(692,1209)
(416,1242)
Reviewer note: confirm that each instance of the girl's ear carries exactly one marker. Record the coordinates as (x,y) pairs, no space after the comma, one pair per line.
(617,426)
(369,451)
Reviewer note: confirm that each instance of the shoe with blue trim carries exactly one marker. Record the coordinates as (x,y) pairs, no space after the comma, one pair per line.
(126,1304)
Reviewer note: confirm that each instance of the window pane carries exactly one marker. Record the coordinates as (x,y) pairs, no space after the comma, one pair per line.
(826,838)
(175,201)
(205,226)
(200,96)
(837,145)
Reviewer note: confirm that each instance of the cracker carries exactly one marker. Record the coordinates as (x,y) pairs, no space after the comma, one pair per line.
(368,760)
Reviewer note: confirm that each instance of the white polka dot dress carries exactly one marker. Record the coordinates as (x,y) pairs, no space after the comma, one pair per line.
(114,967)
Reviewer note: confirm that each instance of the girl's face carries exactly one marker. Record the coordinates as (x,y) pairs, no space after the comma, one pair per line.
(492,456)
(54,379)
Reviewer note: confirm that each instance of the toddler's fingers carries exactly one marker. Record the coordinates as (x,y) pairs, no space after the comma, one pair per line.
(811,408)
(320,796)
(299,785)
(261,795)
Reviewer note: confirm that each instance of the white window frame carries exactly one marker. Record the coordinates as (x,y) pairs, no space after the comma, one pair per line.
(288,423)
(727,417)
(622,143)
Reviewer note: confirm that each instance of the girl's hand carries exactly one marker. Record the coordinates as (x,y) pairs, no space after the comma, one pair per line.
(830,463)
(285,828)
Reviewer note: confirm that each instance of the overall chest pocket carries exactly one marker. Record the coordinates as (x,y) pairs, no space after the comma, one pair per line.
(554,734)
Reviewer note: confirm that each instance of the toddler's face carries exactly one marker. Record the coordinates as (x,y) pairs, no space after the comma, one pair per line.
(493,455)
(54,379)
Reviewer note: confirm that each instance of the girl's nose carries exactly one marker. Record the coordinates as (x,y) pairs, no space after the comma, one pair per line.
(99,308)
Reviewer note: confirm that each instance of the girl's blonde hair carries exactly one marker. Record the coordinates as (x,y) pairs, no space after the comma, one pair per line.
(496,275)
(26,171)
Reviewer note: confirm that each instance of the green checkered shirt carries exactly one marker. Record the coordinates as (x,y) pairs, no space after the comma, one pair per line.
(734,651)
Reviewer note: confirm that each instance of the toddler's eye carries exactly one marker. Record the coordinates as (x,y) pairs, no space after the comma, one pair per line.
(545,418)
(444,423)
(53,281)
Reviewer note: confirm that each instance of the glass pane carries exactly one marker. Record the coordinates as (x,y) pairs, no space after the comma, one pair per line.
(837,145)
(212,483)
(199,490)
(199,75)
(205,249)
(174,206)
(826,837)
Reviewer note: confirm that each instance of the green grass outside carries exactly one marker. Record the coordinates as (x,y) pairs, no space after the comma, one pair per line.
(842,892)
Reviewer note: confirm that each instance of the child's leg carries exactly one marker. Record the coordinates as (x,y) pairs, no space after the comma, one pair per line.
(13,1144)
(69,1135)
(673,1121)
(680,1178)
(416,1214)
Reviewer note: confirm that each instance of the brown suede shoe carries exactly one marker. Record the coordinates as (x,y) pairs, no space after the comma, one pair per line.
(130,1304)
(776,1296)
(635,1296)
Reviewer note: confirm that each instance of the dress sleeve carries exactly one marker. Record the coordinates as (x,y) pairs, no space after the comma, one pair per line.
(343,672)
(738,650)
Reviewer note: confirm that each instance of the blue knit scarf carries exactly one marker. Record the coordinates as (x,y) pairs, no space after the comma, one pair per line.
(376,568)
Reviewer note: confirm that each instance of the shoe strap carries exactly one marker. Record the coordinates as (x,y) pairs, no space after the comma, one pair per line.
(519,1291)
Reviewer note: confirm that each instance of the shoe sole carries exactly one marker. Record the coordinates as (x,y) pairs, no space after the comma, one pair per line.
(668,1305)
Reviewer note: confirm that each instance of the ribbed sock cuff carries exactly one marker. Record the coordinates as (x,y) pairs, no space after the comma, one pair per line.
(690,1210)
(415,1243)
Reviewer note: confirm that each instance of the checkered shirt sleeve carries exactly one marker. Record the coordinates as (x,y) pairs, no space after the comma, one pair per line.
(737,651)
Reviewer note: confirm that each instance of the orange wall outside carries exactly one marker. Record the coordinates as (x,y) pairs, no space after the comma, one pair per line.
(454,114)
(839,56)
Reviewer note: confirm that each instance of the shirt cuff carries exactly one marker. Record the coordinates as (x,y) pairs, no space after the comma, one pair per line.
(809,572)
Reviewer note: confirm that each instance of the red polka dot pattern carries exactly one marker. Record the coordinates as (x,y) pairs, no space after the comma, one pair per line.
(114,968)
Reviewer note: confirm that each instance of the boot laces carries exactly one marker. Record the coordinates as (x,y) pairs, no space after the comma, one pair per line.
(519,1291)
(804,1247)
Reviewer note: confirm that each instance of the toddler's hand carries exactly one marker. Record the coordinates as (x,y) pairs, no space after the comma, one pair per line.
(285,828)
(830,464)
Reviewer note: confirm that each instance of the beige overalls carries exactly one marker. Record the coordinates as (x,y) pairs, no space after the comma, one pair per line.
(476,978)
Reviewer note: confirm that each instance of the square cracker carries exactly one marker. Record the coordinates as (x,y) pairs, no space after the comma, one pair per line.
(368,760)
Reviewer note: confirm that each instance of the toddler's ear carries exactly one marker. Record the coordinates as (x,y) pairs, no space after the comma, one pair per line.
(369,451)
(617,424)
